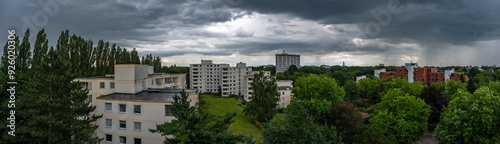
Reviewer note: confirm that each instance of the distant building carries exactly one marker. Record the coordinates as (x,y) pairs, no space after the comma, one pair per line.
(423,75)
(132,101)
(380,64)
(360,77)
(209,77)
(284,61)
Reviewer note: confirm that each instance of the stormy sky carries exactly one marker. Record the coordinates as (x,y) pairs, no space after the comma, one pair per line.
(357,32)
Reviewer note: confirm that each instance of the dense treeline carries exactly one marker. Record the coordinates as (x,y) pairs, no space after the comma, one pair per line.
(49,107)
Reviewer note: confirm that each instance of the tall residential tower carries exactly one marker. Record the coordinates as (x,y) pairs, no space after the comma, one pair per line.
(284,61)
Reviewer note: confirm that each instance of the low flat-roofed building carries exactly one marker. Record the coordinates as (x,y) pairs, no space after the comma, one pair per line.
(132,101)
(127,117)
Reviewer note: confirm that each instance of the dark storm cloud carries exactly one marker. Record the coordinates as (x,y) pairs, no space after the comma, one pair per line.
(441,21)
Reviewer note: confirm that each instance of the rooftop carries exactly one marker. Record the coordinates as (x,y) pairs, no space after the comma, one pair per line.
(149,95)
(284,81)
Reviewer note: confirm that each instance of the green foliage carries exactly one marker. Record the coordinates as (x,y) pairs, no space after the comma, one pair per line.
(299,127)
(370,134)
(292,69)
(414,89)
(401,115)
(495,87)
(317,93)
(351,89)
(433,96)
(196,126)
(346,119)
(471,118)
(453,87)
(369,88)
(65,117)
(264,99)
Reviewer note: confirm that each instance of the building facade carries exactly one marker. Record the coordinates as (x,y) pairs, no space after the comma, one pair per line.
(247,95)
(210,77)
(284,61)
(424,75)
(285,92)
(132,101)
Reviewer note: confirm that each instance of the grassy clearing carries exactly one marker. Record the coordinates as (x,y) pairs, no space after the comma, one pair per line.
(242,123)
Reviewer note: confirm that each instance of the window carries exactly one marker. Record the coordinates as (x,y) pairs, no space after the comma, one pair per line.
(108,106)
(282,99)
(123,108)
(123,124)
(123,140)
(112,85)
(137,141)
(423,79)
(89,98)
(423,74)
(168,112)
(101,85)
(109,122)
(282,93)
(109,138)
(137,126)
(137,109)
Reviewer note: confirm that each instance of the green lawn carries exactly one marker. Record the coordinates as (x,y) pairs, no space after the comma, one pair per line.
(242,123)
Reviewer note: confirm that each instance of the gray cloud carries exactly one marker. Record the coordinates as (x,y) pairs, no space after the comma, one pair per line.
(312,27)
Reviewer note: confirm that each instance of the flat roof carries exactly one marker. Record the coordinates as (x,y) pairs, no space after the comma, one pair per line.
(163,74)
(149,95)
(284,81)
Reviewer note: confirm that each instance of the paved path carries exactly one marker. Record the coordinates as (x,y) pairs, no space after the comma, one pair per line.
(427,138)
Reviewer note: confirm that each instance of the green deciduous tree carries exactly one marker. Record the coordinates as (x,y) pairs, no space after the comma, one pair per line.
(351,89)
(370,134)
(452,87)
(401,115)
(193,126)
(317,93)
(369,88)
(433,97)
(471,118)
(414,88)
(346,119)
(299,127)
(264,99)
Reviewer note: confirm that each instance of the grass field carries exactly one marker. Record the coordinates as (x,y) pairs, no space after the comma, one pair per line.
(242,123)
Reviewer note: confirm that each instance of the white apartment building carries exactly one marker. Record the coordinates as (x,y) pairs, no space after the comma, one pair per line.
(132,101)
(284,61)
(285,91)
(209,77)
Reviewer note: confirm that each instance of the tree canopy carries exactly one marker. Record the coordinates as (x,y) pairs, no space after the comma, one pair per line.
(299,127)
(402,115)
(317,93)
(471,118)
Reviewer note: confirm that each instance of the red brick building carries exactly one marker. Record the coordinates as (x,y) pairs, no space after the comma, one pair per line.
(424,75)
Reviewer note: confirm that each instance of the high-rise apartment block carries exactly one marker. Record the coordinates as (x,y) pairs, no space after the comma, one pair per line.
(210,77)
(423,75)
(284,61)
